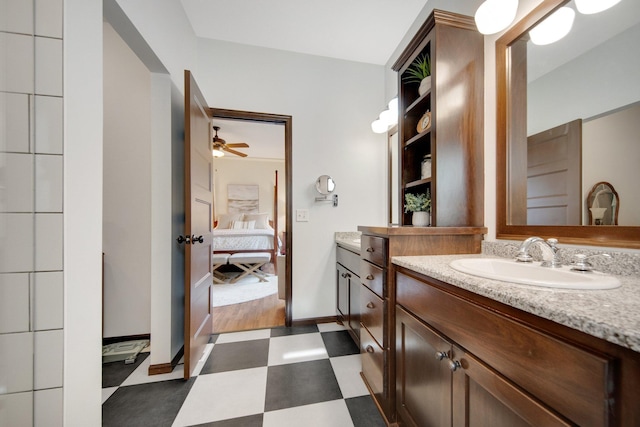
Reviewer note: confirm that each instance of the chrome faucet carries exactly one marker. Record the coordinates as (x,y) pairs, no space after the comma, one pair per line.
(549,249)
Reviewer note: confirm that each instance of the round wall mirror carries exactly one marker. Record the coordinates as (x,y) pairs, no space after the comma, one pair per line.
(325,185)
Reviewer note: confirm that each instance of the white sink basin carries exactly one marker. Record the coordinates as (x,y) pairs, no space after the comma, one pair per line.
(507,270)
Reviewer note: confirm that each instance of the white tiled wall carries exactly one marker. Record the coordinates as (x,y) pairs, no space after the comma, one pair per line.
(31,212)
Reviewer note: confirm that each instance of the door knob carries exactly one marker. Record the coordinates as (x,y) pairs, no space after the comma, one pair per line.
(181,239)
(195,239)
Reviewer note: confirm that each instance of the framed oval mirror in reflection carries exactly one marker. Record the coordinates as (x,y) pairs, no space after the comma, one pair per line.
(573,110)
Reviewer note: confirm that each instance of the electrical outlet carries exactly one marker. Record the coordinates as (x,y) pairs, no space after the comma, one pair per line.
(302,215)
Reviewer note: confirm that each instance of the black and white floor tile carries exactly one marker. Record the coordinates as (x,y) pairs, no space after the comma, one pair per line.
(301,376)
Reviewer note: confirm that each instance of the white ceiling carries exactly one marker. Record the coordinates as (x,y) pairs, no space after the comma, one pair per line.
(355,30)
(266,141)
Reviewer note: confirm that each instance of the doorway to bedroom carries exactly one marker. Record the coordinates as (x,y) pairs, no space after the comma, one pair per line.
(252,206)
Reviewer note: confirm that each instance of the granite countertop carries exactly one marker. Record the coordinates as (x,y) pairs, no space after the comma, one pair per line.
(613,315)
(349,240)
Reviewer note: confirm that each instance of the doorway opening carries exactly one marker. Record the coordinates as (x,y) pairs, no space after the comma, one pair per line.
(275,309)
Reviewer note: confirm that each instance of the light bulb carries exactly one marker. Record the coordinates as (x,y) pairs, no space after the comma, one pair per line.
(589,7)
(389,117)
(217,153)
(378,126)
(494,16)
(555,27)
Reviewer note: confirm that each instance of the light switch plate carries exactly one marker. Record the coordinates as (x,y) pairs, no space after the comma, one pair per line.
(302,215)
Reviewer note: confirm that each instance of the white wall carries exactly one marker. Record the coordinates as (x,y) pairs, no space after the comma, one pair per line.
(126,190)
(332,103)
(229,170)
(610,146)
(82,212)
(558,97)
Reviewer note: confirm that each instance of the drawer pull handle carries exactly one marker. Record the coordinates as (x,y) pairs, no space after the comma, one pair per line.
(370,277)
(370,305)
(441,355)
(370,349)
(454,365)
(370,249)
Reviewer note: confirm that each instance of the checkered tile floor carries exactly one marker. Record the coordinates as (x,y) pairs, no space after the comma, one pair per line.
(301,376)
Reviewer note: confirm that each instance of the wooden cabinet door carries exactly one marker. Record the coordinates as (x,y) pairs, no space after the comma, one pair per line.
(343,292)
(354,306)
(482,397)
(423,380)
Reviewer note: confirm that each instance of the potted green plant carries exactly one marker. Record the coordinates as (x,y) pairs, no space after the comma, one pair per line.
(420,72)
(420,205)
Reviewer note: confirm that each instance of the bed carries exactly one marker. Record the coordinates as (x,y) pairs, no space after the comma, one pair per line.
(248,232)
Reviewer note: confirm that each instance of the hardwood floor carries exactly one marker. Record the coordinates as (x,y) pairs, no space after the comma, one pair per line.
(261,313)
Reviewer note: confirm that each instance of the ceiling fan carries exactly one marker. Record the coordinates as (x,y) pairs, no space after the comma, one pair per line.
(220,145)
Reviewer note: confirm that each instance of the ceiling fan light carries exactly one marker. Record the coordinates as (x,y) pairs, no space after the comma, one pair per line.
(554,27)
(494,16)
(378,126)
(217,152)
(588,7)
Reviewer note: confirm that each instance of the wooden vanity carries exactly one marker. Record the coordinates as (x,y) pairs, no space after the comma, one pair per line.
(461,357)
(377,294)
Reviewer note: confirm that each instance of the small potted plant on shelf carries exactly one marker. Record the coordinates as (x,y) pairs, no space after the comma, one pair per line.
(420,72)
(420,205)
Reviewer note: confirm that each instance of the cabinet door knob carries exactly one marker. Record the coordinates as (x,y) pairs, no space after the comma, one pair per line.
(370,305)
(369,277)
(370,249)
(370,349)
(441,355)
(454,365)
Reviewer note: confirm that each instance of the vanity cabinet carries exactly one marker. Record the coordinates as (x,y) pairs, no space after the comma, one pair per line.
(463,359)
(348,291)
(378,296)
(445,123)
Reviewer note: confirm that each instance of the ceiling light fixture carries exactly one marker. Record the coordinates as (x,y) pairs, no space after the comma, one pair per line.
(217,152)
(387,118)
(494,16)
(589,7)
(554,27)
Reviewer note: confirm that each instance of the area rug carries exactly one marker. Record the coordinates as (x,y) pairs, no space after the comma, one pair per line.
(247,289)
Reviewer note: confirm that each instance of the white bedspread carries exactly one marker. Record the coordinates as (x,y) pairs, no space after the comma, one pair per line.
(242,239)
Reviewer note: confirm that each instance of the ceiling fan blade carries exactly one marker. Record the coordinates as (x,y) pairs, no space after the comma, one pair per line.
(238,145)
(237,153)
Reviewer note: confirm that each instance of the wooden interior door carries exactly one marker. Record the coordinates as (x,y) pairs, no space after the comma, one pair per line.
(554,157)
(198,225)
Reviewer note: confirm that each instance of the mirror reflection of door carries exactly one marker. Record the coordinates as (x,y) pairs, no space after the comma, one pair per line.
(553,175)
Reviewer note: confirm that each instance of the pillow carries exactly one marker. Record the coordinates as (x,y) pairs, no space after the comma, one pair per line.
(225,220)
(240,225)
(261,219)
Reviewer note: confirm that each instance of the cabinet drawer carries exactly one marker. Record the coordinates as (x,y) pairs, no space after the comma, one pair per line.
(372,314)
(374,249)
(372,364)
(373,277)
(576,382)
(350,260)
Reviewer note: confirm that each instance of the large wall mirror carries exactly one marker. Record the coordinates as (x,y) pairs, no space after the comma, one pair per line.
(568,117)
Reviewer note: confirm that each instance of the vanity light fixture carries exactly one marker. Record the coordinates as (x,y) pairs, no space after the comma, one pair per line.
(556,26)
(494,16)
(387,118)
(588,7)
(217,152)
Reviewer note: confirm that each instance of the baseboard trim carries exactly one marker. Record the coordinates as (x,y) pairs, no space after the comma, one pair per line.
(314,320)
(166,368)
(113,340)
